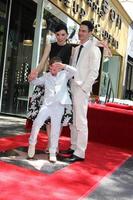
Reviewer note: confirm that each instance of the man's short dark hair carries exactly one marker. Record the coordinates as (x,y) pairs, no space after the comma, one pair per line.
(60,27)
(55,59)
(89,24)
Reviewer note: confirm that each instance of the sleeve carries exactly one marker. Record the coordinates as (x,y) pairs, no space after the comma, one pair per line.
(70,71)
(39,81)
(95,56)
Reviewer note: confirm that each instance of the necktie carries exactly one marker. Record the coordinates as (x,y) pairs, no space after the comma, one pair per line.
(80,48)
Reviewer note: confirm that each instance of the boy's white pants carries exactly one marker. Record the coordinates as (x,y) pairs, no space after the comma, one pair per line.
(55,111)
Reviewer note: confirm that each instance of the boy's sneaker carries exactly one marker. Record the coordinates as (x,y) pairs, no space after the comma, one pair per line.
(31,151)
(52,158)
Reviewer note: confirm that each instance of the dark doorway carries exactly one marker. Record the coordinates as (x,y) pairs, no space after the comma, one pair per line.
(129,79)
(18,57)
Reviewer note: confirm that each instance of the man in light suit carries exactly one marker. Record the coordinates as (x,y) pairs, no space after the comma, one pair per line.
(86,59)
(55,98)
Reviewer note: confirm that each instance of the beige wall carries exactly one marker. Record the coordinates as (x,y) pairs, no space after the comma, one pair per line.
(120,35)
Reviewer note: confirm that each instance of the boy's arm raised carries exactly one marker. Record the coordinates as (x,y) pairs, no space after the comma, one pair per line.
(39,81)
(69,69)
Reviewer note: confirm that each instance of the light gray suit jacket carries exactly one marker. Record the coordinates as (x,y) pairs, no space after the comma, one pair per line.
(56,89)
(87,66)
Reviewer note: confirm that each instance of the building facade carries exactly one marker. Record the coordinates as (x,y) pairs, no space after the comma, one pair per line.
(26,26)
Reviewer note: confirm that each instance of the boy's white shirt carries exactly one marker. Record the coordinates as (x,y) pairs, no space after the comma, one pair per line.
(56,89)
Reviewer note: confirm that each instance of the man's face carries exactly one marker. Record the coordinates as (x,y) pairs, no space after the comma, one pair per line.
(84,33)
(54,69)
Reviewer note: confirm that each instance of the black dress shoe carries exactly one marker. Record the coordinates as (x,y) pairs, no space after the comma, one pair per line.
(68,151)
(71,159)
(28,158)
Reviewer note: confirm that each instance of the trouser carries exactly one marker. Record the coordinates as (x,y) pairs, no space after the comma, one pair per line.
(55,112)
(79,129)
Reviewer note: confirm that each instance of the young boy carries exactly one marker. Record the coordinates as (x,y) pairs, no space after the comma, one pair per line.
(55,98)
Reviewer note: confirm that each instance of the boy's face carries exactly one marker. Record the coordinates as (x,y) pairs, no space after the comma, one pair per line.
(54,69)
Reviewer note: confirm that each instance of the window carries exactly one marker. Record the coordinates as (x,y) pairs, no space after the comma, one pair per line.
(18,58)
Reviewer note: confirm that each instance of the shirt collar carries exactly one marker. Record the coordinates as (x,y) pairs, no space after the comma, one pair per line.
(86,43)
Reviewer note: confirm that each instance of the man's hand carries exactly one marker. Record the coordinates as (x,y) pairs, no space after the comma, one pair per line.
(33,74)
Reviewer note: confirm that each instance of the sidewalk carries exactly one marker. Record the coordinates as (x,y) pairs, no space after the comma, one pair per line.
(10,126)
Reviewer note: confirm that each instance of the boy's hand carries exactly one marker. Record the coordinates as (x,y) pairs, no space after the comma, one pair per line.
(33,74)
(59,65)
